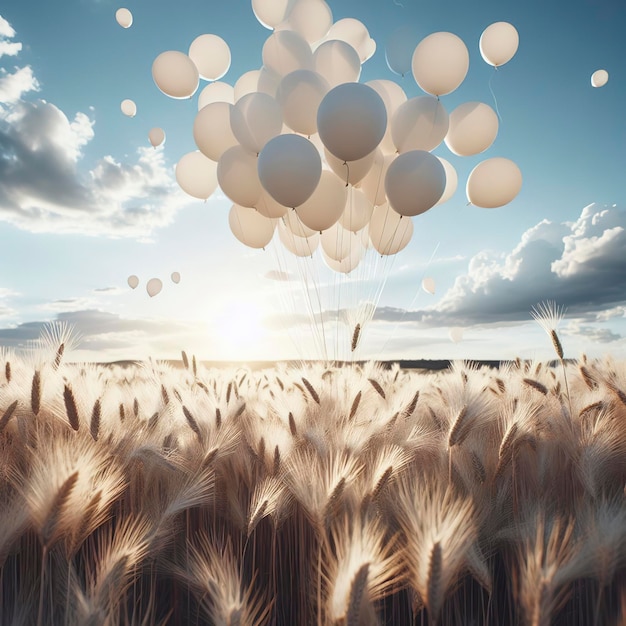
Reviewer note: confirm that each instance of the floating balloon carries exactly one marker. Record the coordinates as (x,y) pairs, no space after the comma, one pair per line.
(338,242)
(292,221)
(237,176)
(289,169)
(348,263)
(399,49)
(133,281)
(473,128)
(311,19)
(268,81)
(498,43)
(124,18)
(255,119)
(154,286)
(599,78)
(493,183)
(300,246)
(175,74)
(351,121)
(175,277)
(270,13)
(216,92)
(428,285)
(389,232)
(156,136)
(250,227)
(420,123)
(350,172)
(266,205)
(129,108)
(440,63)
(197,175)
(452,181)
(373,184)
(456,334)
(326,203)
(393,96)
(357,212)
(211,55)
(299,94)
(338,62)
(285,51)
(246,83)
(355,33)
(415,181)
(212,131)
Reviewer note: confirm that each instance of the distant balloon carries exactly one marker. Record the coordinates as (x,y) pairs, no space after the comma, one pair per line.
(154,286)
(456,334)
(175,74)
(399,49)
(498,43)
(599,78)
(124,18)
(428,285)
(211,55)
(196,175)
(493,183)
(175,277)
(156,137)
(133,281)
(129,108)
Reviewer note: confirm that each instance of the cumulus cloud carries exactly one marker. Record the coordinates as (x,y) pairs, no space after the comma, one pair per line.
(14,86)
(8,48)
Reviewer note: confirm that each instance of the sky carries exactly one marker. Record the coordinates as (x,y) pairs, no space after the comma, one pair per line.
(86,201)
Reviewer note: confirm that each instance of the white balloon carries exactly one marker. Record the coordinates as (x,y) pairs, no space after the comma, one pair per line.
(175,277)
(311,19)
(268,81)
(351,121)
(338,62)
(289,169)
(154,286)
(124,18)
(133,281)
(428,285)
(452,181)
(355,33)
(129,108)
(498,43)
(300,246)
(326,203)
(211,55)
(493,183)
(270,13)
(212,131)
(350,172)
(440,63)
(599,78)
(175,74)
(473,128)
(338,242)
(216,92)
(285,51)
(246,83)
(196,175)
(347,264)
(373,184)
(389,232)
(399,49)
(250,227)
(456,334)
(255,119)
(299,94)
(421,123)
(267,206)
(393,96)
(357,212)
(415,181)
(237,176)
(156,136)
(292,221)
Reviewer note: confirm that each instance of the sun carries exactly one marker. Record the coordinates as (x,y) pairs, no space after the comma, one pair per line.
(238,330)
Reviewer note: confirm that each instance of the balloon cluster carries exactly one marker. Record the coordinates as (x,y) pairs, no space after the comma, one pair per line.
(154,285)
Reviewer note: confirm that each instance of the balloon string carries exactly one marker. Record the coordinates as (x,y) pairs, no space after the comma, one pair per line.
(493,95)
(347,172)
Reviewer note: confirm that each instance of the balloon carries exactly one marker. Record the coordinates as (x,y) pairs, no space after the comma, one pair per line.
(197,175)
(350,172)
(156,136)
(473,128)
(255,119)
(216,92)
(124,18)
(389,232)
(266,205)
(326,203)
(498,43)
(268,81)
(357,212)
(428,285)
(237,176)
(175,277)
(311,19)
(246,83)
(292,221)
(456,334)
(420,123)
(355,33)
(351,121)
(452,181)
(338,62)
(440,63)
(133,281)
(212,131)
(373,184)
(250,227)
(415,181)
(289,169)
(393,96)
(599,78)
(285,51)
(175,74)
(211,55)
(299,94)
(493,183)
(338,243)
(129,108)
(300,246)
(348,263)
(270,13)
(154,286)
(399,49)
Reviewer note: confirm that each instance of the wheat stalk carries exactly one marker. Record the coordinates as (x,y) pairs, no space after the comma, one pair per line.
(94,425)
(377,386)
(311,390)
(70,407)
(355,405)
(35,392)
(4,420)
(355,337)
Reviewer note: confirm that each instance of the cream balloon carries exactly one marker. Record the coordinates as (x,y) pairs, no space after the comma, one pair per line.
(338,242)
(440,63)
(268,81)
(473,128)
(124,18)
(250,227)
(415,181)
(428,285)
(393,96)
(350,172)
(216,92)
(175,277)
(267,206)
(389,232)
(498,43)
(355,33)
(311,19)
(299,95)
(270,13)
(212,131)
(452,181)
(300,246)
(175,74)
(156,136)
(255,119)
(599,78)
(285,51)
(373,184)
(246,83)
(289,169)
(292,221)
(456,334)
(211,55)
(196,175)
(347,264)
(326,203)
(421,123)
(357,211)
(493,183)
(338,62)
(237,176)
(154,286)
(132,281)
(129,108)
(351,121)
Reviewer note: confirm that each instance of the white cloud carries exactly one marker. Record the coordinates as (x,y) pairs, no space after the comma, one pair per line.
(14,86)
(593,333)
(8,48)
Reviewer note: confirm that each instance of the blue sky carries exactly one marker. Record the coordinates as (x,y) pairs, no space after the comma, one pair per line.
(85,200)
